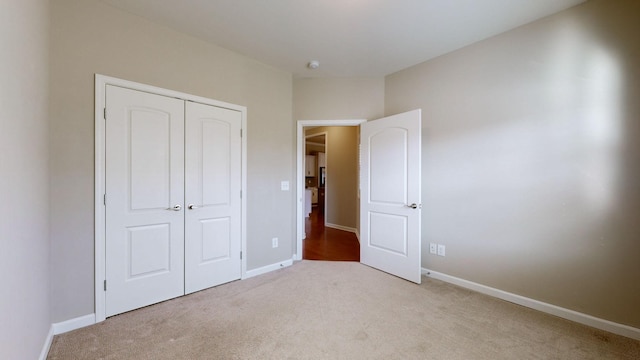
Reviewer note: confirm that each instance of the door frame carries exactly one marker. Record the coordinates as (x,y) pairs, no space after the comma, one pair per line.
(101,81)
(300,139)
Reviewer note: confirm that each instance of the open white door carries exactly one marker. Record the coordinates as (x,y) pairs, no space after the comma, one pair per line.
(390,195)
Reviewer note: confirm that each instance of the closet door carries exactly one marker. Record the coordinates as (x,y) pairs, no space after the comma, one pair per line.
(212,195)
(144,199)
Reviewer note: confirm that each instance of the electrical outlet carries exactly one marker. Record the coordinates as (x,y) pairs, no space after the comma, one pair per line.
(284,185)
(433,248)
(274,243)
(441,249)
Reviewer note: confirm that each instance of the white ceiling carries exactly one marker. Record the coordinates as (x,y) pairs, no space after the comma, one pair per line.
(350,38)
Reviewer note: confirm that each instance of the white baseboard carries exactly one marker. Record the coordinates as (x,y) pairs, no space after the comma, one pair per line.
(268,268)
(602,324)
(72,324)
(340,227)
(47,345)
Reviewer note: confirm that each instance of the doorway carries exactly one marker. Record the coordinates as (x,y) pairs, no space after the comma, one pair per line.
(324,240)
(318,228)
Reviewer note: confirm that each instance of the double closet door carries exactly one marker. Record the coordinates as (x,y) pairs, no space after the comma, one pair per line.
(173,201)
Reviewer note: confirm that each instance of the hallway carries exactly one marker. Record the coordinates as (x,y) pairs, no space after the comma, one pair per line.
(324,243)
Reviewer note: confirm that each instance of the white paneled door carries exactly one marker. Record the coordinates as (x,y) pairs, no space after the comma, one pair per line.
(145,196)
(390,195)
(212,194)
(172,198)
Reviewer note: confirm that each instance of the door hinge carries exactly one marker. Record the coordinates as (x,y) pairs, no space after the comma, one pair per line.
(105,113)
(105,285)
(240,132)
(240,255)
(240,194)
(104,199)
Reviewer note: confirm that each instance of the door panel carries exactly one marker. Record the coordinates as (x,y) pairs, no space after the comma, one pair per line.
(388,233)
(150,158)
(215,235)
(389,169)
(215,165)
(144,181)
(389,185)
(148,250)
(212,167)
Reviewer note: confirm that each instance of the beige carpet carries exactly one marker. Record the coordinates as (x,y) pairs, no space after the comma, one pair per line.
(338,310)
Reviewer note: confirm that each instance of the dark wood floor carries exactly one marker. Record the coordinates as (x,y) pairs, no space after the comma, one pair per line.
(323,243)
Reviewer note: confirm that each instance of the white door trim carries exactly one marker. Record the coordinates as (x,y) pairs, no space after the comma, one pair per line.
(300,170)
(101,82)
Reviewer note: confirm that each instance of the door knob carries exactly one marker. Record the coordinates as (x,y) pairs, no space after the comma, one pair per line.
(175,208)
(191,207)
(413,206)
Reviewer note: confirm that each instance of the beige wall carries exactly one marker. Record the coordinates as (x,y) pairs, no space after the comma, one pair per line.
(531,159)
(341,188)
(338,98)
(24,174)
(91,37)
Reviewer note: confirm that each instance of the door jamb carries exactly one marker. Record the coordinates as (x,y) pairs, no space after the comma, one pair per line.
(300,170)
(101,81)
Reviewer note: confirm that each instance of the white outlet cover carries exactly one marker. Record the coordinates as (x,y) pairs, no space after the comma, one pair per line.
(441,250)
(284,185)
(433,248)
(274,242)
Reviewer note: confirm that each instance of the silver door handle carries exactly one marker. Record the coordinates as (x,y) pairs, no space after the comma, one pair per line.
(413,206)
(191,207)
(175,208)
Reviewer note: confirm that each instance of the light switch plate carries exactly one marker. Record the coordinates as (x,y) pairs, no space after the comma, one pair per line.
(284,185)
(441,250)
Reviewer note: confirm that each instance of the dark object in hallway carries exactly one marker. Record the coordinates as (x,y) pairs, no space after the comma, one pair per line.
(323,243)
